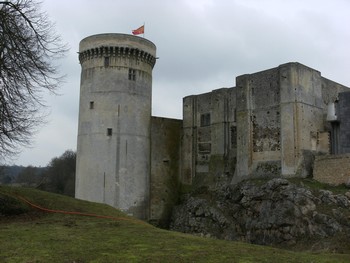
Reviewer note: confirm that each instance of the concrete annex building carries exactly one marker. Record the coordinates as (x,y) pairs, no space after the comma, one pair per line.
(273,122)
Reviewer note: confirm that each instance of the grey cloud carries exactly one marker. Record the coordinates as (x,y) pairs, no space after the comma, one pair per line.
(202,45)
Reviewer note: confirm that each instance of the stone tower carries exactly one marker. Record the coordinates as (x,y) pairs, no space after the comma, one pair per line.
(113,150)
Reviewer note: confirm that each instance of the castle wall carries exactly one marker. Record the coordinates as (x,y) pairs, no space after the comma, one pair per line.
(259,123)
(332,169)
(277,116)
(331,90)
(203,133)
(330,95)
(208,125)
(165,167)
(113,151)
(223,131)
(335,169)
(244,126)
(281,120)
(344,119)
(302,110)
(188,140)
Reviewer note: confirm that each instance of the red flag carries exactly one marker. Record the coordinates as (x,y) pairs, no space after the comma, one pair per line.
(140,30)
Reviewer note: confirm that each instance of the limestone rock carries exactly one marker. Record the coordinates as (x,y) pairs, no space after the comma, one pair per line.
(272,213)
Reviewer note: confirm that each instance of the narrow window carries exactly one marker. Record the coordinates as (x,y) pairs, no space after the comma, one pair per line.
(109,131)
(91,105)
(106,61)
(205,119)
(233,137)
(132,74)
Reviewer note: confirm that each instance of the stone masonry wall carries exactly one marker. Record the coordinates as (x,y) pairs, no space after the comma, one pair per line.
(209,136)
(165,166)
(332,169)
(344,113)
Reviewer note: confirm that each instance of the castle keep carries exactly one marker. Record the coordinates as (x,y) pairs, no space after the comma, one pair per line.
(274,122)
(113,153)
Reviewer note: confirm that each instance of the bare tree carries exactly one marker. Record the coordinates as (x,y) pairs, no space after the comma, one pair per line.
(29,47)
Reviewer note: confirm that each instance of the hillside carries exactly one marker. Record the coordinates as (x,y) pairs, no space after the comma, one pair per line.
(30,235)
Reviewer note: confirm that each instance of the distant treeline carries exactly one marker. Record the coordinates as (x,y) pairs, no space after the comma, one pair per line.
(57,177)
(20,174)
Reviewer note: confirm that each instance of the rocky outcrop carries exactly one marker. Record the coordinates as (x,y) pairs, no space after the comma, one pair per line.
(273,212)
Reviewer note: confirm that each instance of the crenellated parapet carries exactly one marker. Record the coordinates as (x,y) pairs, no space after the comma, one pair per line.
(116,51)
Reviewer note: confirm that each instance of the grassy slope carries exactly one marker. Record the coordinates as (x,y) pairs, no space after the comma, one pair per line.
(38,237)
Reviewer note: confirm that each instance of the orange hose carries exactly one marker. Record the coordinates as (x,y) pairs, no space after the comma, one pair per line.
(75,213)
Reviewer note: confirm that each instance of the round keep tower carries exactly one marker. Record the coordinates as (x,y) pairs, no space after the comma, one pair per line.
(113,149)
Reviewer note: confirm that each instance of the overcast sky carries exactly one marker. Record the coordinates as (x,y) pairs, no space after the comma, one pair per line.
(201,44)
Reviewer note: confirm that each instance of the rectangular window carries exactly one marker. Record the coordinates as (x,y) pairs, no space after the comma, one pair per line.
(91,105)
(109,131)
(205,119)
(106,62)
(132,74)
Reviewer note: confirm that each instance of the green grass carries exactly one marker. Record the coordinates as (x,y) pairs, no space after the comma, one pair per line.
(31,236)
(315,186)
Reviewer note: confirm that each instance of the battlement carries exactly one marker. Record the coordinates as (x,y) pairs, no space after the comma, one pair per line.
(117,51)
(117,45)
